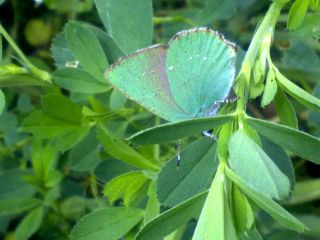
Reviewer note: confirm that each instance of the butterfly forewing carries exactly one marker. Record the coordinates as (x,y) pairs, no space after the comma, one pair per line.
(200,68)
(142,77)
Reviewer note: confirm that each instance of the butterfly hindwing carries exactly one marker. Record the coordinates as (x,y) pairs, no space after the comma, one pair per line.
(200,68)
(142,77)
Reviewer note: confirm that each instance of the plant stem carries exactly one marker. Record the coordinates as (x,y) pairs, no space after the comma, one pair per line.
(173,19)
(43,75)
(243,79)
(25,60)
(94,189)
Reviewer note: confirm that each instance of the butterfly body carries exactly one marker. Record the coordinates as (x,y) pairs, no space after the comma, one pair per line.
(184,80)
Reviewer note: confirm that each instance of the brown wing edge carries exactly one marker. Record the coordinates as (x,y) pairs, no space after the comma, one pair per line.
(131,55)
(217,34)
(232,45)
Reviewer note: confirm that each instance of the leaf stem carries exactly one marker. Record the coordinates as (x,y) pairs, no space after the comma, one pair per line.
(172,19)
(43,75)
(5,34)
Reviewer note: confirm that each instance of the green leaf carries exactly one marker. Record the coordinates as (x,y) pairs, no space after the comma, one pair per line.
(60,119)
(259,67)
(61,107)
(300,143)
(29,225)
(215,221)
(2,101)
(71,6)
(43,126)
(271,207)
(13,186)
(310,27)
(59,116)
(172,219)
(241,211)
(251,234)
(1,47)
(44,160)
(131,31)
(224,135)
(53,178)
(198,164)
(256,89)
(69,139)
(60,51)
(129,186)
(176,130)
(85,155)
(152,209)
(256,168)
(270,89)
(297,13)
(314,117)
(285,110)
(280,158)
(12,76)
(110,223)
(299,94)
(111,50)
(301,57)
(117,100)
(306,191)
(121,151)
(314,5)
(86,47)
(78,80)
(74,207)
(214,10)
(8,127)
(17,205)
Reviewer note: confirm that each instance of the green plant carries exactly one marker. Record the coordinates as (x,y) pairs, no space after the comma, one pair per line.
(79,136)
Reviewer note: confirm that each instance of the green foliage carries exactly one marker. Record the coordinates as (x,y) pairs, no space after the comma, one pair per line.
(300,143)
(110,223)
(136,27)
(78,80)
(171,131)
(271,207)
(85,47)
(297,13)
(215,219)
(196,172)
(274,183)
(30,224)
(2,101)
(129,187)
(172,219)
(80,160)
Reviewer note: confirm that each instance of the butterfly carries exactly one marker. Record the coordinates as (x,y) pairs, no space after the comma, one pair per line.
(188,78)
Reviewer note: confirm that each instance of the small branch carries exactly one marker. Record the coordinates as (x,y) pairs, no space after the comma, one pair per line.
(43,75)
(25,60)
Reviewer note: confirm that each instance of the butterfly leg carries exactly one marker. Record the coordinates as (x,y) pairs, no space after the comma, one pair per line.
(227,101)
(209,135)
(178,149)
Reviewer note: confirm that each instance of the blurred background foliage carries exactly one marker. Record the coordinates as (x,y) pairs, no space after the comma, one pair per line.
(50,179)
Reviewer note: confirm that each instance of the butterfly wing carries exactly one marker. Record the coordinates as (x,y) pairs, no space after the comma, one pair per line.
(142,77)
(200,68)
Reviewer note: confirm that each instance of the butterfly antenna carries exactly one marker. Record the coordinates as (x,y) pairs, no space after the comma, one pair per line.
(178,148)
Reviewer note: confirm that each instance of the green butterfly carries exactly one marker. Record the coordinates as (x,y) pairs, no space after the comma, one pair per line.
(187,79)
